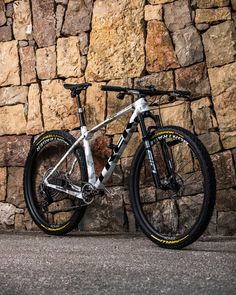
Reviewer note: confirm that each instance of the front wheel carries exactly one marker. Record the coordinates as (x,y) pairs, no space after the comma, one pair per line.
(177,213)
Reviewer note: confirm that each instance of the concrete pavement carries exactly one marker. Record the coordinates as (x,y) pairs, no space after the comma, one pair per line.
(114,264)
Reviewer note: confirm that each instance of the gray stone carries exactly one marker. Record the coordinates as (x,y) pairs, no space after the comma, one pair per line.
(15,193)
(177,15)
(188,46)
(44,24)
(219,44)
(161,81)
(7,213)
(225,109)
(14,150)
(202,27)
(78,17)
(3,18)
(5,33)
(60,12)
(195,79)
(84,43)
(226,223)
(10,10)
(203,117)
(226,200)
(28,65)
(211,141)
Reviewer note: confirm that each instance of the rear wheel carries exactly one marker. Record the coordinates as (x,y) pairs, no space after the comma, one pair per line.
(178,213)
(54,212)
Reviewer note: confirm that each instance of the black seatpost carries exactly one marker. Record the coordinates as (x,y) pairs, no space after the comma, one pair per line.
(80,110)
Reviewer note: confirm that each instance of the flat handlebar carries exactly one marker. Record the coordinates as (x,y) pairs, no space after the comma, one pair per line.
(149,91)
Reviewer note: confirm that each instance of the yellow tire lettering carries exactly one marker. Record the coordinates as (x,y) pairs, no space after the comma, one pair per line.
(169,242)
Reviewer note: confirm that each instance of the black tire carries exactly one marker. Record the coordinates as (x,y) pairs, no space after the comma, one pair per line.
(173,218)
(54,212)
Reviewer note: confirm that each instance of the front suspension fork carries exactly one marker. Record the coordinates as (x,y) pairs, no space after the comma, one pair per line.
(150,154)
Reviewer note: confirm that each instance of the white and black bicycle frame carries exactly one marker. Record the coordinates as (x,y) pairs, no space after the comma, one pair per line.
(140,110)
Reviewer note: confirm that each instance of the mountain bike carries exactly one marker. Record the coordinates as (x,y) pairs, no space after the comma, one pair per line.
(171,184)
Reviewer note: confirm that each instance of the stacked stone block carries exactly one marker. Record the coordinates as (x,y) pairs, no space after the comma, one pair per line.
(171,44)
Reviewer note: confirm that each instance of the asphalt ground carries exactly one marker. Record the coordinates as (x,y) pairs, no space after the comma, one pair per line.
(114,264)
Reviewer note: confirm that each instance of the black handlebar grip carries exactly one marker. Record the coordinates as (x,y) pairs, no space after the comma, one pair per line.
(113,88)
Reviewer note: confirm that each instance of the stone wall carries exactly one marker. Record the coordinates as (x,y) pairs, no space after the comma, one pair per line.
(171,44)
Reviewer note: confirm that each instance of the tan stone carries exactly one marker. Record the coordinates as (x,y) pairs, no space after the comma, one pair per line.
(212,15)
(233,2)
(14,150)
(12,120)
(62,217)
(22,26)
(194,79)
(225,108)
(68,57)
(114,105)
(222,78)
(34,122)
(219,44)
(9,64)
(13,95)
(46,62)
(160,1)
(19,222)
(3,18)
(211,141)
(159,49)
(28,63)
(177,113)
(203,116)
(224,169)
(153,12)
(121,53)
(15,193)
(59,110)
(95,105)
(212,3)
(3,183)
